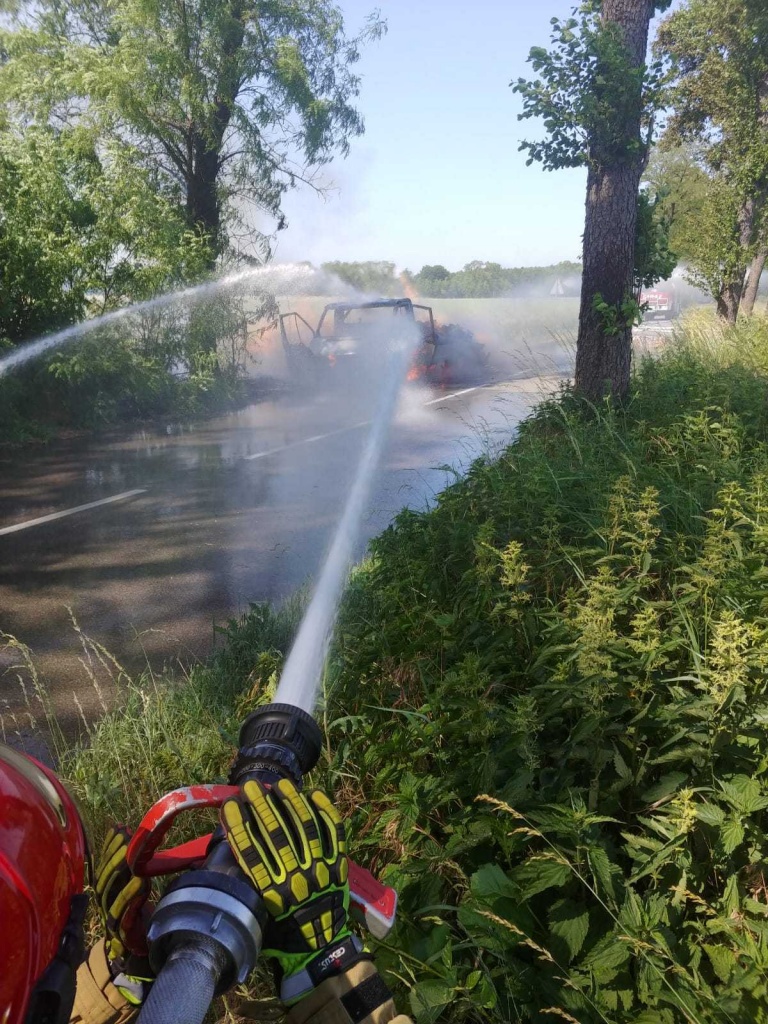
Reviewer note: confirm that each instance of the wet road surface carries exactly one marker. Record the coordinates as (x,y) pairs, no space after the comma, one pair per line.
(152,536)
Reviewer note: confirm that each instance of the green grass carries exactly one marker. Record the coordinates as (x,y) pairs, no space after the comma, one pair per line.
(545,711)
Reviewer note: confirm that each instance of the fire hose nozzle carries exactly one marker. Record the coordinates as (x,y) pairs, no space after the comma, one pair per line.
(279,741)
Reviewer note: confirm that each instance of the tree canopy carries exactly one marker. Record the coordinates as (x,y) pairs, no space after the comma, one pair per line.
(586,92)
(228,102)
(717,52)
(480,279)
(374,277)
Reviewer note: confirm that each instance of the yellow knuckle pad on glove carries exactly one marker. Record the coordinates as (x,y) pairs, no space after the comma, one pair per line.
(112,860)
(246,848)
(293,848)
(124,897)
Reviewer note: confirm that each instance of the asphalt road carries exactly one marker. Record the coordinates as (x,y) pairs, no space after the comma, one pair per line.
(148,538)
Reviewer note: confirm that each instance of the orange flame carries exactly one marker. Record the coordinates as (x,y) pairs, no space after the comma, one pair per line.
(408,289)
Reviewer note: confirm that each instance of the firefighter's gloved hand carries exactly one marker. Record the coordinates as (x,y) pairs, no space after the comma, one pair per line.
(122,898)
(293,848)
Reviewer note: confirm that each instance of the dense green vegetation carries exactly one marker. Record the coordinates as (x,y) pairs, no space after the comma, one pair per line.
(545,711)
(137,142)
(483,280)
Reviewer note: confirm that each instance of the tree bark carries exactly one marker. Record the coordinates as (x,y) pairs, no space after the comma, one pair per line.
(203,204)
(203,207)
(753,280)
(728,301)
(603,358)
(205,144)
(732,291)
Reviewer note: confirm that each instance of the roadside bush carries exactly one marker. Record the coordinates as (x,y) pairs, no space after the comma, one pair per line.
(145,366)
(546,705)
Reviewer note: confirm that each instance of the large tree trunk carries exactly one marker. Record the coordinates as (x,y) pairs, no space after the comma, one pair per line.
(205,143)
(203,208)
(753,280)
(603,354)
(204,215)
(203,200)
(602,358)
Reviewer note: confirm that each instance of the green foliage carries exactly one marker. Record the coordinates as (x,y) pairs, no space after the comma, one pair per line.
(579,630)
(617,318)
(717,253)
(654,259)
(587,93)
(135,142)
(679,183)
(545,711)
(82,231)
(718,58)
(481,279)
(717,54)
(177,728)
(228,103)
(375,277)
(45,222)
(597,96)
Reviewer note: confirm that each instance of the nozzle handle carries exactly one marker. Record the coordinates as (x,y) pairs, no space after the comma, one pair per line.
(373,903)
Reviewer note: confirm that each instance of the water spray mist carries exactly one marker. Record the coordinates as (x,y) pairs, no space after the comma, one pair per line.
(303,670)
(269,278)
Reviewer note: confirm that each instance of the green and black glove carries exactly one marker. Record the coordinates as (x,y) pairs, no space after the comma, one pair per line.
(122,898)
(293,848)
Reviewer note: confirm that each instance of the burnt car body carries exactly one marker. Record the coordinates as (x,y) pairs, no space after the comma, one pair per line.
(351,332)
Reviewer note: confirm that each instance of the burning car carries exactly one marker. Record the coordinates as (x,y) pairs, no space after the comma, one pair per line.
(350,332)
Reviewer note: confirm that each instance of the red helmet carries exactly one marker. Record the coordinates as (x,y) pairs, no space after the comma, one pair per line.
(42,866)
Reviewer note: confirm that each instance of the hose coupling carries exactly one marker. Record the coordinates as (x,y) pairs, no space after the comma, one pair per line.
(219,913)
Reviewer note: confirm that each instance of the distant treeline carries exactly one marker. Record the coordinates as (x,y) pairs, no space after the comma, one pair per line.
(477,280)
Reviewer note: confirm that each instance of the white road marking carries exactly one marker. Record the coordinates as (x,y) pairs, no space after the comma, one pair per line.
(455,394)
(305,440)
(70,511)
(248,458)
(365,423)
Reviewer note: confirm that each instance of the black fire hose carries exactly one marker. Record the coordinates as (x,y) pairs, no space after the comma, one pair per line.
(185,985)
(205,934)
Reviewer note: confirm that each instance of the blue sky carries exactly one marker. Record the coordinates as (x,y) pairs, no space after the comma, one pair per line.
(437,177)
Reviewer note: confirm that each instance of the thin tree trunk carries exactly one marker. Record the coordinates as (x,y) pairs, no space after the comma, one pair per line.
(728,300)
(603,356)
(732,291)
(753,280)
